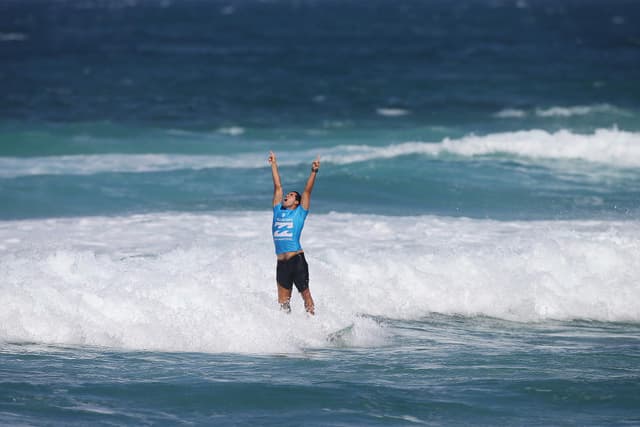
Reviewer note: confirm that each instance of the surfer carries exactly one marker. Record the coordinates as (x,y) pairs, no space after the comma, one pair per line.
(289,214)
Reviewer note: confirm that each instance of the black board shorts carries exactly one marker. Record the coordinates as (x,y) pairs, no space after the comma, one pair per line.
(294,270)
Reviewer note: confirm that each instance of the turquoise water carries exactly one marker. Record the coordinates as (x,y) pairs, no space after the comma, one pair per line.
(474,225)
(436,370)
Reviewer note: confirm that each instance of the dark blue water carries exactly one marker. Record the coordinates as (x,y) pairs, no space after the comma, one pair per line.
(277,64)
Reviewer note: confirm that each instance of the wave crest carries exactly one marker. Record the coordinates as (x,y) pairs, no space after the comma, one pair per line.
(612,147)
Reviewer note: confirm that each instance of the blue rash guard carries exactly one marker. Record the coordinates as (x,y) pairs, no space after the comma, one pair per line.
(287,228)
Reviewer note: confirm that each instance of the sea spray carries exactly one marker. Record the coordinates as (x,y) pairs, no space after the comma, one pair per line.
(205,283)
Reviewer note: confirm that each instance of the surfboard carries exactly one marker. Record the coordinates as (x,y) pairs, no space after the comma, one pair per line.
(340,336)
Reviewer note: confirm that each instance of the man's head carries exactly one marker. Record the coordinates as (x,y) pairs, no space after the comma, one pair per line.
(291,200)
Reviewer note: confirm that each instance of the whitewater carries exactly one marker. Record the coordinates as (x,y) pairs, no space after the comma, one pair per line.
(198,282)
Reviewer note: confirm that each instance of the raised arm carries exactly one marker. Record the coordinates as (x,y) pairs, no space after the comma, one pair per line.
(277,185)
(306,194)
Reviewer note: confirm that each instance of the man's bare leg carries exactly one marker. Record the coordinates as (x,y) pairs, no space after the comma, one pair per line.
(308,301)
(284,296)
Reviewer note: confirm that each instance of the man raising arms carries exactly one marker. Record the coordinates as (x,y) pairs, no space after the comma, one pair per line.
(289,214)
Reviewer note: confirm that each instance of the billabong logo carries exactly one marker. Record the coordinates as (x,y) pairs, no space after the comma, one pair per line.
(282,234)
(282,230)
(285,224)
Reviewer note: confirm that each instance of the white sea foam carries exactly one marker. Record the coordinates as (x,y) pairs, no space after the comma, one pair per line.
(611,147)
(563,112)
(233,130)
(206,282)
(579,110)
(392,112)
(134,163)
(13,37)
(606,146)
(510,113)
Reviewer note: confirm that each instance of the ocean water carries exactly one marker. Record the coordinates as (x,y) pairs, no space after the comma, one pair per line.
(473,240)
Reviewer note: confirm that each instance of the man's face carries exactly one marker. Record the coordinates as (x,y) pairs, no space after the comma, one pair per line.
(289,200)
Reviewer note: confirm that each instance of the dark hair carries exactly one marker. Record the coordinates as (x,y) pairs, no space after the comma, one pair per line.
(298,196)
